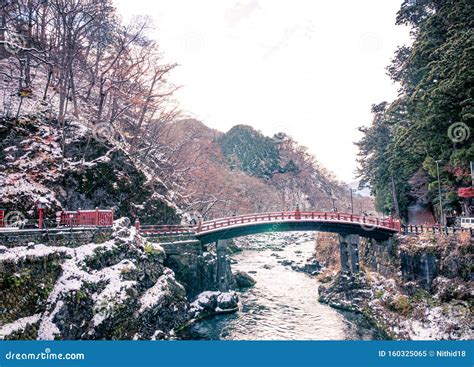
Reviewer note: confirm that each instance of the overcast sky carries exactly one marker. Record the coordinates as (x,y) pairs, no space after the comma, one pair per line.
(309,68)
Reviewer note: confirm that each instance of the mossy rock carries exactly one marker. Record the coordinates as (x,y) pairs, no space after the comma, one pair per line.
(25,286)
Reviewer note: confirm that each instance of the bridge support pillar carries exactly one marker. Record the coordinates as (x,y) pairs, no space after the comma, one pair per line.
(224,277)
(344,252)
(349,250)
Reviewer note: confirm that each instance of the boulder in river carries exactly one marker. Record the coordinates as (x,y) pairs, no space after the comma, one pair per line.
(213,302)
(243,280)
(312,267)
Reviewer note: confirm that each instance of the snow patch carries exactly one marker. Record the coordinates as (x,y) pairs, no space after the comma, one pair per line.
(16,254)
(73,277)
(158,291)
(48,329)
(18,325)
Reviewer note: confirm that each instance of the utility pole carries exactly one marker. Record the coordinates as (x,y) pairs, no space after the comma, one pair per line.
(333,198)
(441,220)
(395,199)
(472,173)
(352,201)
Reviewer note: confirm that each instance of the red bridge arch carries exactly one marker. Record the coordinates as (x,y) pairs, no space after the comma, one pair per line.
(235,226)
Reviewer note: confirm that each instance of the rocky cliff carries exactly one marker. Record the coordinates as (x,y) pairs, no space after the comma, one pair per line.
(117,288)
(92,173)
(198,267)
(412,287)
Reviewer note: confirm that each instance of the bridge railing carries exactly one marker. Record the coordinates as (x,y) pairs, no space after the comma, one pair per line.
(388,223)
(420,228)
(164,229)
(80,218)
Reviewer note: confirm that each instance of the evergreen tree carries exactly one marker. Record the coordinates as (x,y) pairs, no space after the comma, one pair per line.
(250,151)
(433,119)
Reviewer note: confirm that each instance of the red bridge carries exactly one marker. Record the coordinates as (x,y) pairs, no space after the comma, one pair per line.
(225,228)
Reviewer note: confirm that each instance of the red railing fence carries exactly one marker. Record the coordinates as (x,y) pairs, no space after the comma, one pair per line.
(85,218)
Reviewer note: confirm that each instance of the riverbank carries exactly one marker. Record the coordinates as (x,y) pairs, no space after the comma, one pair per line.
(421,291)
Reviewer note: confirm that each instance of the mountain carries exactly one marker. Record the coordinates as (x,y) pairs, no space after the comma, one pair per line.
(244,171)
(250,151)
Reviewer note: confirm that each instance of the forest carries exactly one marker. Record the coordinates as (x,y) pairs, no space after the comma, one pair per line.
(428,128)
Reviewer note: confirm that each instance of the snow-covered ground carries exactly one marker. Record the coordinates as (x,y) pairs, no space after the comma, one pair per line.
(420,317)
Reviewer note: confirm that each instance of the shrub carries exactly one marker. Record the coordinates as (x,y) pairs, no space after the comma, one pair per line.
(379,294)
(326,250)
(149,249)
(402,305)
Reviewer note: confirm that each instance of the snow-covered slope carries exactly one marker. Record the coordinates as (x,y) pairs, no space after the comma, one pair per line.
(92,173)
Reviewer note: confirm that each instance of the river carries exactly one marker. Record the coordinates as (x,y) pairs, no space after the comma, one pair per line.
(283,305)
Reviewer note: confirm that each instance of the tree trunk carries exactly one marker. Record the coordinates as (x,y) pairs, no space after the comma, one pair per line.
(48,81)
(395,199)
(73,92)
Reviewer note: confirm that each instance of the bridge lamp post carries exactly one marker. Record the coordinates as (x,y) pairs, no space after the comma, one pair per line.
(439,192)
(41,204)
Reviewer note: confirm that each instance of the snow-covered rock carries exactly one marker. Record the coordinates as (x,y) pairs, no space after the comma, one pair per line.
(110,290)
(18,325)
(90,173)
(214,302)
